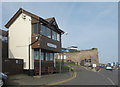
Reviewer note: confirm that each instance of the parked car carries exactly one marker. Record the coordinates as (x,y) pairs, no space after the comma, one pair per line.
(3,79)
(102,66)
(108,67)
(87,64)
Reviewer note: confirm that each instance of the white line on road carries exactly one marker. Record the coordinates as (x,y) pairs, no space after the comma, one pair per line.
(111,81)
(107,78)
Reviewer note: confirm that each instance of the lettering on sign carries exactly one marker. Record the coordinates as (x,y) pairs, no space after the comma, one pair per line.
(51,45)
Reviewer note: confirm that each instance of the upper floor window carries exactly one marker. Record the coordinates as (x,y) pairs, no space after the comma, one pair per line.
(35,28)
(58,37)
(48,33)
(43,30)
(53,35)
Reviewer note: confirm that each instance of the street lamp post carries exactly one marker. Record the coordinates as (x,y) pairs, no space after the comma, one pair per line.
(60,64)
(62,57)
(40,64)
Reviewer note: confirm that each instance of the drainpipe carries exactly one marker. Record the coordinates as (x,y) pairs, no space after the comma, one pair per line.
(30,54)
(60,62)
(29,61)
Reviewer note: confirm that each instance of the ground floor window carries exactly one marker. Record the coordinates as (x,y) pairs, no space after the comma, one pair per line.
(42,55)
(36,54)
(51,56)
(45,55)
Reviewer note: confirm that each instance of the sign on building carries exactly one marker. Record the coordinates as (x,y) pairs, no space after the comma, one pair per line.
(51,45)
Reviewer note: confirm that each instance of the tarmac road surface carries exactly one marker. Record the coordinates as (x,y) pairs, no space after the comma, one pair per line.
(87,77)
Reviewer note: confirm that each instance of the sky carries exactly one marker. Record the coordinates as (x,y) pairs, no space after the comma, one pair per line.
(89,24)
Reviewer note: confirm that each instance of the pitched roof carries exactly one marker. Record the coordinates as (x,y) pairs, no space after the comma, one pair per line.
(48,20)
(52,21)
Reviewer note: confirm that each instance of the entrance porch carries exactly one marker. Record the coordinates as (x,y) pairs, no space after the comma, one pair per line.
(44,61)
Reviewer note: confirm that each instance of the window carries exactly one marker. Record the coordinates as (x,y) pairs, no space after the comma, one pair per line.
(43,30)
(36,54)
(42,56)
(53,35)
(48,33)
(35,28)
(47,56)
(51,56)
(58,37)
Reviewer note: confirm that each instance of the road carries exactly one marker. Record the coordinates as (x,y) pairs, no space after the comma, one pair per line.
(87,77)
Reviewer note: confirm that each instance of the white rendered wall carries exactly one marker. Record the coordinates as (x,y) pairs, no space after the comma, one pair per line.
(19,39)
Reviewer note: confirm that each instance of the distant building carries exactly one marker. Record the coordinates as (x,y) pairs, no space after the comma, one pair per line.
(4,43)
(70,49)
(3,35)
(65,50)
(81,57)
(73,48)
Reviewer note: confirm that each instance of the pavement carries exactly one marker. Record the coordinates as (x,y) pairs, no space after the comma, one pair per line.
(23,79)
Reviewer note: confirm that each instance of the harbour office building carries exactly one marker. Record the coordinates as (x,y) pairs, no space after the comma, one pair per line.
(24,29)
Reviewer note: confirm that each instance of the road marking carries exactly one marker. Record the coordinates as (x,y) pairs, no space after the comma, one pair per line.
(74,76)
(111,81)
(107,78)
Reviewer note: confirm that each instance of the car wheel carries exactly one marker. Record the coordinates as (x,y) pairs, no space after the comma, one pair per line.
(1,82)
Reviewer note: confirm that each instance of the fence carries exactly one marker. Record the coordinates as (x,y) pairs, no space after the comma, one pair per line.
(12,66)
